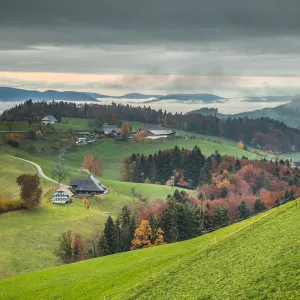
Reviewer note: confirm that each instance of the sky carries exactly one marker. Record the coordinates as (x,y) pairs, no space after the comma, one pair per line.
(232,48)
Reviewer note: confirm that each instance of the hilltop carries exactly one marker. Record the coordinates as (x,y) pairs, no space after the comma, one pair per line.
(287,113)
(16,95)
(257,258)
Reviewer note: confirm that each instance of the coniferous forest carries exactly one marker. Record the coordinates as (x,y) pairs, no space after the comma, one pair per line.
(263,133)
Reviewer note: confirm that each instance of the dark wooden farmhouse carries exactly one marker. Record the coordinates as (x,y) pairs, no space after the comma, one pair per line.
(109,130)
(88,186)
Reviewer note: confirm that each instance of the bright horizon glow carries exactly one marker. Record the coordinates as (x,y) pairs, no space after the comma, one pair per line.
(118,84)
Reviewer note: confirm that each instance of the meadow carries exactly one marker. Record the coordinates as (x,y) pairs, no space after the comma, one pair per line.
(254,259)
(28,237)
(111,151)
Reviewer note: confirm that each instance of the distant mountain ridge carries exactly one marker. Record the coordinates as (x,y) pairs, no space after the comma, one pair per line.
(289,113)
(8,94)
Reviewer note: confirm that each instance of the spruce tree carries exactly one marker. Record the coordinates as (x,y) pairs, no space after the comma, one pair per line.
(292,195)
(243,210)
(221,216)
(109,232)
(169,221)
(197,221)
(102,246)
(259,206)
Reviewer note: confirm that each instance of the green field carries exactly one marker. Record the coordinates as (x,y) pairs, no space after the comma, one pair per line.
(255,259)
(9,171)
(111,152)
(29,236)
(67,123)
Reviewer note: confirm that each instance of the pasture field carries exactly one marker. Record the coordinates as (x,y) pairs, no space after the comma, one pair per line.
(258,258)
(28,237)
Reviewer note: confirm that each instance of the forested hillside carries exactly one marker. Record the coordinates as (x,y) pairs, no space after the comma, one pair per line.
(287,113)
(263,133)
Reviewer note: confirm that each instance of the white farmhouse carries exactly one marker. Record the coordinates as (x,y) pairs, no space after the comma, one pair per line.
(49,120)
(62,196)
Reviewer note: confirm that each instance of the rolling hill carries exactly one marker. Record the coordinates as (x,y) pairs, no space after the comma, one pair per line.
(258,258)
(35,231)
(287,113)
(8,94)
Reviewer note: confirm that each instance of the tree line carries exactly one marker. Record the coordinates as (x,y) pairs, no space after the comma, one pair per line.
(261,133)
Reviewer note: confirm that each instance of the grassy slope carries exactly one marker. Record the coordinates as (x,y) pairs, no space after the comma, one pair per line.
(112,152)
(9,171)
(30,236)
(257,259)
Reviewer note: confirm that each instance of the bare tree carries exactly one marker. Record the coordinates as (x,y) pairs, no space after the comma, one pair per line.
(60,169)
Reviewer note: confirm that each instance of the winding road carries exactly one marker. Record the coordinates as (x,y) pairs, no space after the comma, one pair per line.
(38,168)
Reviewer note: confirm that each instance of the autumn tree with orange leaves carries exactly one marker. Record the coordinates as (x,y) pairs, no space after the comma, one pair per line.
(93,164)
(142,236)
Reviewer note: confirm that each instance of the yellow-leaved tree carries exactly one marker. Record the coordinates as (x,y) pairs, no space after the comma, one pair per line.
(142,236)
(159,237)
(241,145)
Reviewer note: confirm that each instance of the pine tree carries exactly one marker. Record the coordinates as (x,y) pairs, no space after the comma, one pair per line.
(243,210)
(127,225)
(292,195)
(286,196)
(109,232)
(221,216)
(102,246)
(259,206)
(198,220)
(118,238)
(169,222)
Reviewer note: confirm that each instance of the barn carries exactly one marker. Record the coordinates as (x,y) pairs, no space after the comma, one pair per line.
(88,186)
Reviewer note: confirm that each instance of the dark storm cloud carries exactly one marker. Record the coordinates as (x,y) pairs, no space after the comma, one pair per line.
(126,21)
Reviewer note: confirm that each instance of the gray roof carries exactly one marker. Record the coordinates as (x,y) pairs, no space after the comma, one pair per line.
(161,132)
(49,118)
(91,184)
(75,181)
(148,127)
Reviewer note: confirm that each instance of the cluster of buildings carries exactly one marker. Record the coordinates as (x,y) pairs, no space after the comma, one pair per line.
(151,132)
(79,187)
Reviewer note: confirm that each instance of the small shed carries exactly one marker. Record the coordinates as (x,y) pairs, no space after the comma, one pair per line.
(62,196)
(49,120)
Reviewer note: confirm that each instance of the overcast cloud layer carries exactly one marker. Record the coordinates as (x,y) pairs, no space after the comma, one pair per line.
(217,39)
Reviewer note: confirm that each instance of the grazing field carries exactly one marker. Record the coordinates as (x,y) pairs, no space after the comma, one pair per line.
(9,171)
(255,259)
(111,153)
(29,237)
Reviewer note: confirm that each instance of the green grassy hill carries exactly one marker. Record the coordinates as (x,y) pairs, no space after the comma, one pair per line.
(111,152)
(255,259)
(28,237)
(9,171)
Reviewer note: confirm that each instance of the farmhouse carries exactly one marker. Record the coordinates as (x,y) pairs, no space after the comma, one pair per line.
(88,186)
(112,130)
(49,120)
(83,134)
(156,131)
(62,196)
(156,134)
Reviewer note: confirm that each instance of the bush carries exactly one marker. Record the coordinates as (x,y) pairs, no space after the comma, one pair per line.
(6,204)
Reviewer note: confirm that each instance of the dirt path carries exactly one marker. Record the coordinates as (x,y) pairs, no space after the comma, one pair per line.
(38,167)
